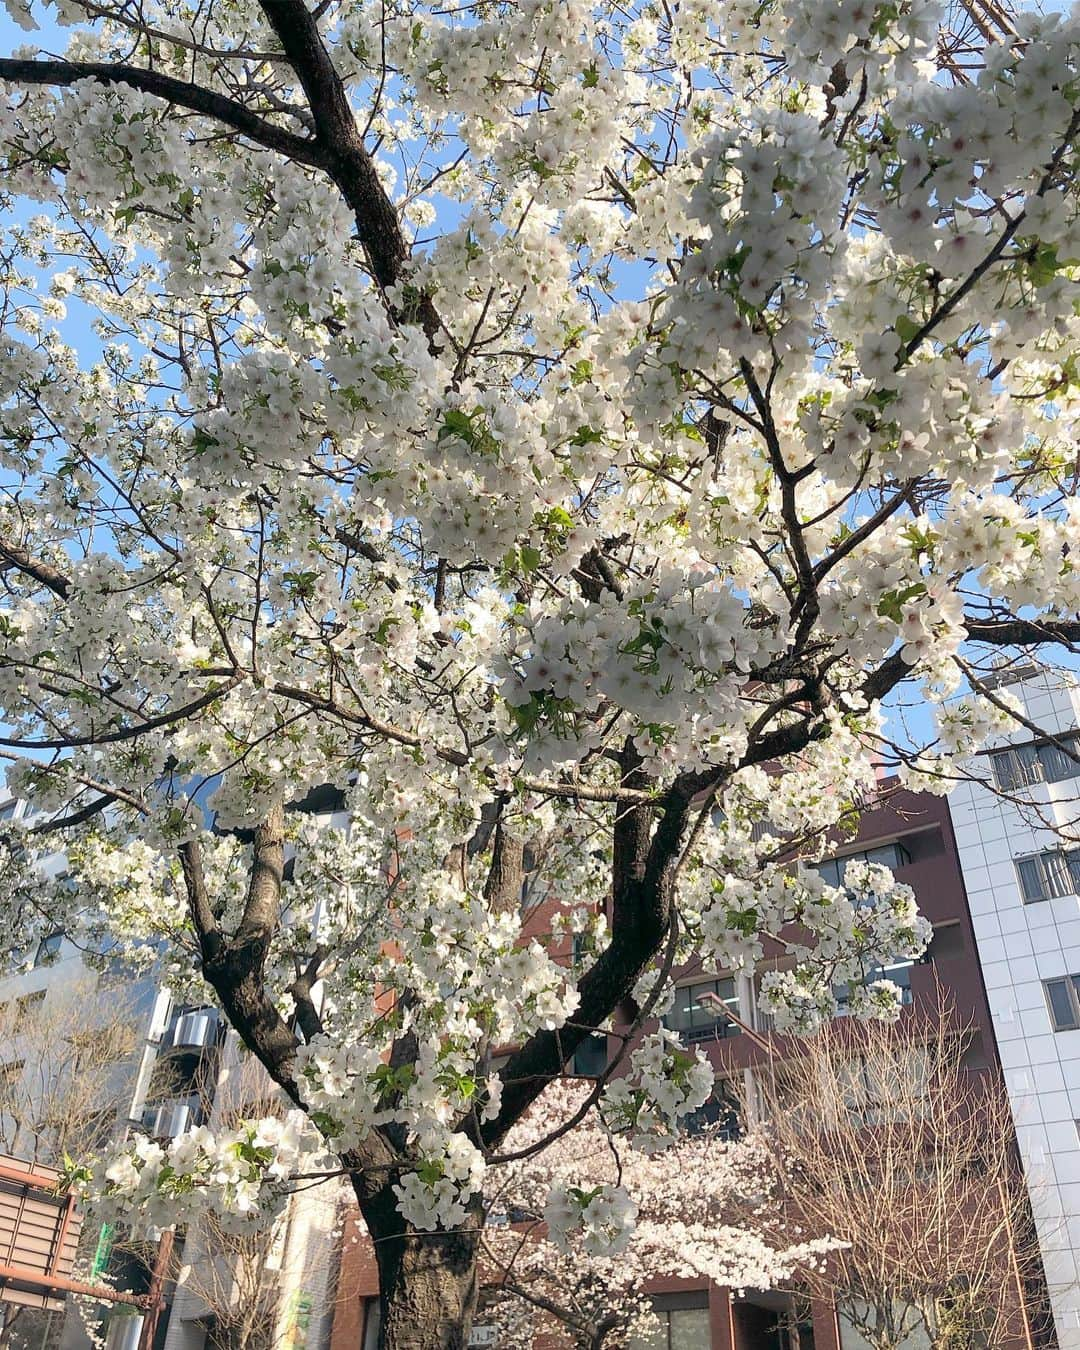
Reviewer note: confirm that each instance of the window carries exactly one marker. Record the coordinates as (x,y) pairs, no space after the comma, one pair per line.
(1045,762)
(719,1114)
(696,1021)
(1063,1000)
(1046,875)
(372,1319)
(48,949)
(947,943)
(7,811)
(900,974)
(25,1006)
(590,1058)
(684,1323)
(892,855)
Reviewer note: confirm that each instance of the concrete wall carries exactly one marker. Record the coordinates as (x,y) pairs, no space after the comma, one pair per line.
(1020,946)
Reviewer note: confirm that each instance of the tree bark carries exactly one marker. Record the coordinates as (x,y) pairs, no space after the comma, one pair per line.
(428,1282)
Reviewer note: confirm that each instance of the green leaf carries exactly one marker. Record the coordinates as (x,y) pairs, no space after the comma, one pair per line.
(906,328)
(891,605)
(1044,265)
(530,559)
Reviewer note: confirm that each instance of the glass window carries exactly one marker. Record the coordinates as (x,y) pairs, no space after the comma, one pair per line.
(25,1006)
(892,855)
(1058,879)
(688,1329)
(1061,998)
(371,1324)
(48,949)
(1046,875)
(7,811)
(1031,879)
(1060,761)
(11,1072)
(899,974)
(1016,767)
(947,942)
(888,855)
(684,1324)
(719,1114)
(1048,762)
(695,1020)
(590,1058)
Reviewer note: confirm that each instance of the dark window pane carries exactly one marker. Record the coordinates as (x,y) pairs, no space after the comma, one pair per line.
(371,1323)
(1031,878)
(696,1020)
(48,949)
(720,1113)
(1056,764)
(590,1058)
(1016,767)
(1061,1005)
(1057,878)
(689,1329)
(886,855)
(899,974)
(947,942)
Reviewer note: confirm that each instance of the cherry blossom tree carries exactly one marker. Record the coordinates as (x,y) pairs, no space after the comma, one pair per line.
(695,1205)
(509,429)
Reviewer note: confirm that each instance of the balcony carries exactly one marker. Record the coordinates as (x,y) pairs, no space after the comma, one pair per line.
(196,1030)
(168,1120)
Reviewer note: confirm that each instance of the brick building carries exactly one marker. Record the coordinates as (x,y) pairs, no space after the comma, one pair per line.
(911,833)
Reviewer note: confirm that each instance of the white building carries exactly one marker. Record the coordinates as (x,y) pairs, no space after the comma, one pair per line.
(180,1068)
(1022,876)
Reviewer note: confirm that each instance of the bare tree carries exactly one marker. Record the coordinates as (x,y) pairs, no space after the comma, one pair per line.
(883,1137)
(65,1051)
(234,1270)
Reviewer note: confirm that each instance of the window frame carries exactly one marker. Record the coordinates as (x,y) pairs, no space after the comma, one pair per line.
(1071,986)
(1015,767)
(836,865)
(720,1027)
(1058,874)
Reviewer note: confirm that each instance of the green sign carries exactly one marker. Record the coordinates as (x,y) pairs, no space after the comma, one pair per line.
(299,1319)
(102,1252)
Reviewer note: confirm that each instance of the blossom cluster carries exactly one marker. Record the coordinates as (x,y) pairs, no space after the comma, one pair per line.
(664,1083)
(241,1175)
(576,442)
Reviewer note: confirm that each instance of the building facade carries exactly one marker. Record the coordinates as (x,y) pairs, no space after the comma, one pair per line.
(913,834)
(175,1067)
(1014,816)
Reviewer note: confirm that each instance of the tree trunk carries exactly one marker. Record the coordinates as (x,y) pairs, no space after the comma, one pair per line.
(427,1281)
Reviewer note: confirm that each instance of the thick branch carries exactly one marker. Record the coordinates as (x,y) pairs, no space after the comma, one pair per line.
(179,93)
(646,906)
(1023,632)
(502,888)
(263,907)
(42,572)
(347,160)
